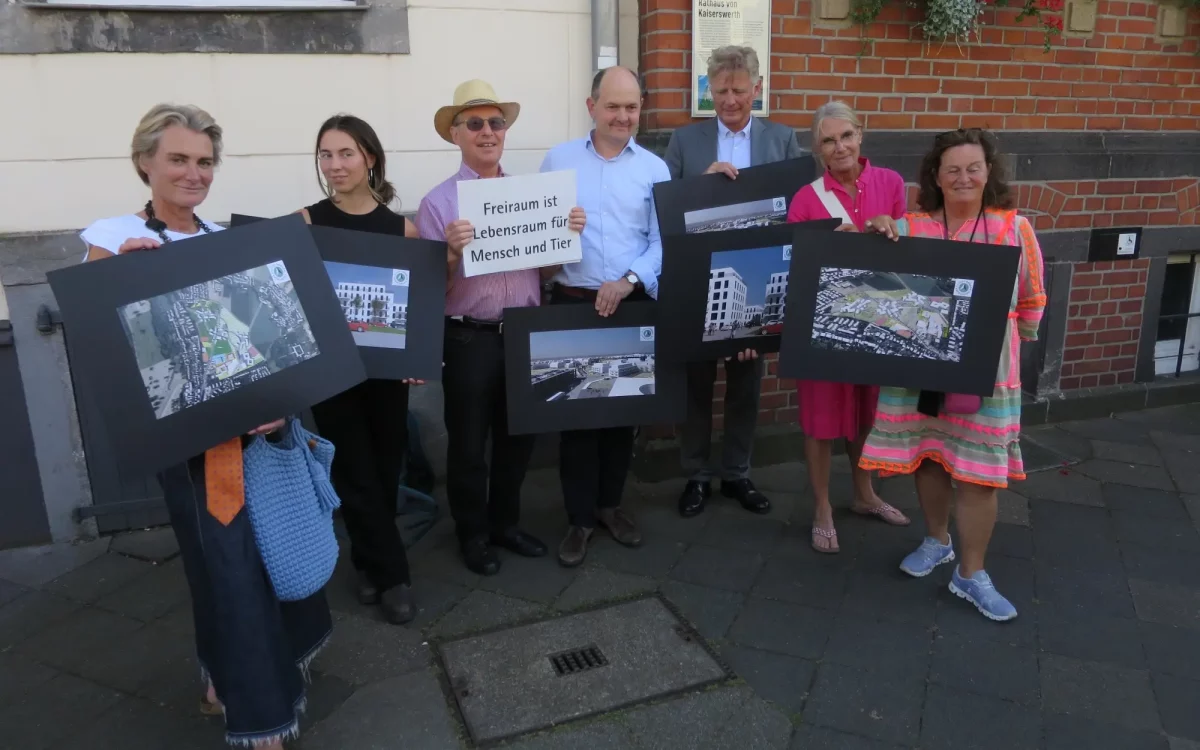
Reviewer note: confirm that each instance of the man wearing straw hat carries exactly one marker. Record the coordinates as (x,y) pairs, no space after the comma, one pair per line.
(485,501)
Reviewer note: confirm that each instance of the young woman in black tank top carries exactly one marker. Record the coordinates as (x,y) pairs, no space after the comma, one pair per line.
(368,423)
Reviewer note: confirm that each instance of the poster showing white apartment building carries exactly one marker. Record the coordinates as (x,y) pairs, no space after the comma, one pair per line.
(775,308)
(726,298)
(374,301)
(746,293)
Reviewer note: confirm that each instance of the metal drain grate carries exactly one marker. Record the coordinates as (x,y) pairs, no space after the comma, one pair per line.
(577,660)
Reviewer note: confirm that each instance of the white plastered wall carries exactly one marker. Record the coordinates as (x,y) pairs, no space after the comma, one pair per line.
(64,159)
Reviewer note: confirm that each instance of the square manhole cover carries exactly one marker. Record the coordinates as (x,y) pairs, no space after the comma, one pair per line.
(534,676)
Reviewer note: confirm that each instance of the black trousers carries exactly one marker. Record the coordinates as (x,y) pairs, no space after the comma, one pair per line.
(593,464)
(368,426)
(483,499)
(742,383)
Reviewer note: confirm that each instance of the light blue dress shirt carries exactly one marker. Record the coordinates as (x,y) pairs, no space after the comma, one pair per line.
(621,234)
(732,147)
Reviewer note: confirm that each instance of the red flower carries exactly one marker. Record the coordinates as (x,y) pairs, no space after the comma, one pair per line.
(1054,22)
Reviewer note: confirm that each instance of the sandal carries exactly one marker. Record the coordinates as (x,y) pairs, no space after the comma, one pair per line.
(884,512)
(825,540)
(208,708)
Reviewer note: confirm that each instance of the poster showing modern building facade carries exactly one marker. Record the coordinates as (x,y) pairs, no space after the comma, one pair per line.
(374,301)
(760,213)
(208,339)
(592,363)
(747,293)
(899,314)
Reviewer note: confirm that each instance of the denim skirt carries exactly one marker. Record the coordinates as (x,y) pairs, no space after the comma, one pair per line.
(254,648)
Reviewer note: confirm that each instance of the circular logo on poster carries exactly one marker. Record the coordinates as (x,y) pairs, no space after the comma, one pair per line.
(963,287)
(648,333)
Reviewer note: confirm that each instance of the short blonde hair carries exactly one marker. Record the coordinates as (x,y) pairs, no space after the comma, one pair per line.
(732,58)
(162,116)
(834,110)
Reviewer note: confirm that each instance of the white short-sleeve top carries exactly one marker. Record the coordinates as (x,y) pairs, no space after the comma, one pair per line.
(109,234)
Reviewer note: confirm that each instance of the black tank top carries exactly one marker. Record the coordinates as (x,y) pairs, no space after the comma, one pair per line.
(382,220)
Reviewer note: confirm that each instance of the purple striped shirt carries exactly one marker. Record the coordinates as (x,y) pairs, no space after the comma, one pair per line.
(482,297)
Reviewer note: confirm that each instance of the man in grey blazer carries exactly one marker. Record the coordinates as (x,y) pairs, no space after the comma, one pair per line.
(730,141)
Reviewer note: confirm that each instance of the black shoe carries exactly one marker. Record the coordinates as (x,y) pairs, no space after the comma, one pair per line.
(515,540)
(480,557)
(367,592)
(744,492)
(695,495)
(397,604)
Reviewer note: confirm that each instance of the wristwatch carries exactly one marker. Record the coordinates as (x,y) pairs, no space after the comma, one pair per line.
(632,278)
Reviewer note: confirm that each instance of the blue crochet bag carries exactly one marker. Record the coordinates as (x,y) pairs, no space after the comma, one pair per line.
(291,502)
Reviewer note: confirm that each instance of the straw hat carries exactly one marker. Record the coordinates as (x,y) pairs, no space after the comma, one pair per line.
(474,93)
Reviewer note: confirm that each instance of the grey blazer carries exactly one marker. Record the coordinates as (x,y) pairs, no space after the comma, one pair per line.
(693,148)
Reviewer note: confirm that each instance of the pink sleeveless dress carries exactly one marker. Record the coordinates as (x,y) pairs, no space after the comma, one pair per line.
(982,448)
(843,410)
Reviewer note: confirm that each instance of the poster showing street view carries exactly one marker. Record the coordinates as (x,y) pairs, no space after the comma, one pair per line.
(756,213)
(898,314)
(209,339)
(592,363)
(747,293)
(374,301)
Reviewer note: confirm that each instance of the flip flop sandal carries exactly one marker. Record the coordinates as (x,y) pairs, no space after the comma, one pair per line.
(211,709)
(884,512)
(830,534)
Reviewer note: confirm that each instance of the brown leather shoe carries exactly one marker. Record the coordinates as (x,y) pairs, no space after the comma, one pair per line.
(574,546)
(621,526)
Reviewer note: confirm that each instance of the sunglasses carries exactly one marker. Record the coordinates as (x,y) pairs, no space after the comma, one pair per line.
(475,124)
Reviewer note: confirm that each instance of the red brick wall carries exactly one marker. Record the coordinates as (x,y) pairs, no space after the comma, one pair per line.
(1104,323)
(1120,78)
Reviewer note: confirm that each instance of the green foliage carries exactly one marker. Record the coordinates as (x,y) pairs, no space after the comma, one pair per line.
(959,19)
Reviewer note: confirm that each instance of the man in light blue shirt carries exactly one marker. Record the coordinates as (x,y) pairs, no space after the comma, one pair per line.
(622,257)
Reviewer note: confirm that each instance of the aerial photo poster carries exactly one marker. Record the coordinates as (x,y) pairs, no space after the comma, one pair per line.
(203,340)
(916,313)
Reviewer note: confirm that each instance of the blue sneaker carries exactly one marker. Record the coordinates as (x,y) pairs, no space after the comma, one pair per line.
(979,590)
(928,556)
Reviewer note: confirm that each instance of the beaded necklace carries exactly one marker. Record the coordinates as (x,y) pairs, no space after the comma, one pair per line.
(158,226)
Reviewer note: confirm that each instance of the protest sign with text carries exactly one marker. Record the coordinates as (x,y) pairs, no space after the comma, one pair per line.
(520,222)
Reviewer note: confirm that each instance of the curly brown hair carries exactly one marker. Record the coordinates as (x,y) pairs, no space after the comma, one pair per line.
(996,193)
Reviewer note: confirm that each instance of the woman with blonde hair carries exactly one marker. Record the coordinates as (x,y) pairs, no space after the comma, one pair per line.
(969,444)
(850,189)
(253,649)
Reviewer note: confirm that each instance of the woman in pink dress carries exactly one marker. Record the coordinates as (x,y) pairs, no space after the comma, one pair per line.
(852,190)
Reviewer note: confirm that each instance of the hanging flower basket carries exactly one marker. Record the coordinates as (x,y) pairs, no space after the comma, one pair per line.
(951,19)
(958,20)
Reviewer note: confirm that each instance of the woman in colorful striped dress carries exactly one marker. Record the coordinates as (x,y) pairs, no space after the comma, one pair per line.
(964,197)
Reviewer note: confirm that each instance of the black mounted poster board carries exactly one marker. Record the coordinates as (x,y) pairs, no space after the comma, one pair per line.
(724,292)
(187,346)
(914,313)
(570,369)
(393,294)
(759,197)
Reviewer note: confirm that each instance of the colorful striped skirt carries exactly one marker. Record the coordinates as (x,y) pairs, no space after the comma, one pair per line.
(982,448)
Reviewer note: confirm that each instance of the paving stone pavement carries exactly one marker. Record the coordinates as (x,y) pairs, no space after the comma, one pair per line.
(1099,549)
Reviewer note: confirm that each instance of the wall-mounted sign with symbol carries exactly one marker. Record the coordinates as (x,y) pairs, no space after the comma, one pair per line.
(1115,243)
